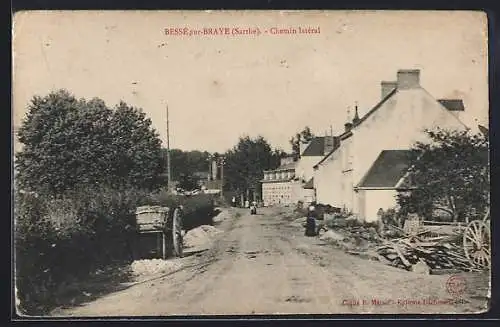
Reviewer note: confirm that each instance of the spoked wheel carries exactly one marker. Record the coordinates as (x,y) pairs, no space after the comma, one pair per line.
(177,245)
(476,239)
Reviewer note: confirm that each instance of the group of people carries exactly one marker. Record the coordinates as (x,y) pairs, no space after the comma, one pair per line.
(247,203)
(310,221)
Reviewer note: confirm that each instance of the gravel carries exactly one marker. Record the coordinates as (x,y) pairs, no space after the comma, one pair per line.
(154,266)
(223,215)
(200,236)
(332,236)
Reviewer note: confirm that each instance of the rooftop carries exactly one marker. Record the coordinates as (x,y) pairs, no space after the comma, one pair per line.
(315,148)
(288,166)
(387,170)
(452,104)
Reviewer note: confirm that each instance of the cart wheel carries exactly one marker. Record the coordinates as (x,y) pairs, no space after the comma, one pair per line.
(476,241)
(177,233)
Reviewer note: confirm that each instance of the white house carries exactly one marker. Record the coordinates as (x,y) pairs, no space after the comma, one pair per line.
(395,123)
(293,180)
(386,177)
(310,154)
(280,186)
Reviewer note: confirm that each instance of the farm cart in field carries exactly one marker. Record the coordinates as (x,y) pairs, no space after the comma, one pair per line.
(159,232)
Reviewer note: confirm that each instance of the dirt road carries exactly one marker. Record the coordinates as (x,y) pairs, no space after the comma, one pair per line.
(262,265)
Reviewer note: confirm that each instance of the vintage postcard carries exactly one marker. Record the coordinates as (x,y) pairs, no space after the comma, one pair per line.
(174,163)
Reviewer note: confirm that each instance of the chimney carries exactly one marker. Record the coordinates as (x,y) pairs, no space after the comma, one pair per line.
(348,126)
(356,119)
(408,78)
(386,87)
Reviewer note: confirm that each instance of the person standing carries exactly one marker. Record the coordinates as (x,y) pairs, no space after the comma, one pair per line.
(311,221)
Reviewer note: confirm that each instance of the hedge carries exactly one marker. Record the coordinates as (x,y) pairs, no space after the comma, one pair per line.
(197,209)
(65,238)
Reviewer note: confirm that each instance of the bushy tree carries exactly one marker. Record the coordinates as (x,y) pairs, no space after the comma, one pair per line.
(246,162)
(302,137)
(186,163)
(188,182)
(136,147)
(450,173)
(69,143)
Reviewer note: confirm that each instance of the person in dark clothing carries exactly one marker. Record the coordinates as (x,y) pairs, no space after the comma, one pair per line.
(311,221)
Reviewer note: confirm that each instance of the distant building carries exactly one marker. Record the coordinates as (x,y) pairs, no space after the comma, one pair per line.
(211,181)
(311,153)
(280,186)
(293,180)
(362,174)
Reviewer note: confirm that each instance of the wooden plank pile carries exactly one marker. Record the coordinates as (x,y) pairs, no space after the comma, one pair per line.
(429,249)
(441,252)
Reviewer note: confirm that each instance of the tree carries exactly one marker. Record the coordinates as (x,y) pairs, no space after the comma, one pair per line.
(70,143)
(137,148)
(303,137)
(451,174)
(276,157)
(246,162)
(188,182)
(186,162)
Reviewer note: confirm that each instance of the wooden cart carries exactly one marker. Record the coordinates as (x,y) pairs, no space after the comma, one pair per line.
(163,225)
(475,236)
(477,241)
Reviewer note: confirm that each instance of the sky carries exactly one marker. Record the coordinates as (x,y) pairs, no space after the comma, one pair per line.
(221,87)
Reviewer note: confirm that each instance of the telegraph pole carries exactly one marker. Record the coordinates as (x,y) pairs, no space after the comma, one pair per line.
(222,162)
(168,154)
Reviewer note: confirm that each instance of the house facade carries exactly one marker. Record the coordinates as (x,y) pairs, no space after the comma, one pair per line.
(395,123)
(379,187)
(279,186)
(293,180)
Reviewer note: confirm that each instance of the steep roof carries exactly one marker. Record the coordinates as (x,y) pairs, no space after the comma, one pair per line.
(358,122)
(452,104)
(372,110)
(315,148)
(389,167)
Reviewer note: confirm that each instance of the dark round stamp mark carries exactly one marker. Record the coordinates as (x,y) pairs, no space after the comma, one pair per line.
(456,285)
